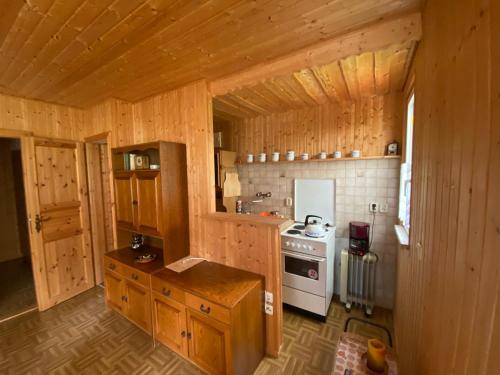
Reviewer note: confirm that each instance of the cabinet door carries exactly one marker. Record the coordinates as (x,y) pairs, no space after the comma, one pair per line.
(113,289)
(124,199)
(138,304)
(169,323)
(209,343)
(149,210)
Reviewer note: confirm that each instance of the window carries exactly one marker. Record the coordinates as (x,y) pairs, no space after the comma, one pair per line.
(405,183)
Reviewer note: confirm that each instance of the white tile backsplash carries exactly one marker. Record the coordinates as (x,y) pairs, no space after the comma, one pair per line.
(358,182)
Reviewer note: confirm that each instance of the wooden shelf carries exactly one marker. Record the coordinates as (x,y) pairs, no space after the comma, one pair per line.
(321,160)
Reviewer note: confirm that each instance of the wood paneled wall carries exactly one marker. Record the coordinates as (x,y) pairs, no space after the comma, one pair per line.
(182,115)
(43,119)
(447,317)
(368,125)
(246,243)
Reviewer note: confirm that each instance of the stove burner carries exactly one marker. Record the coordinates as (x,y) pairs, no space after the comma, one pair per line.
(293,231)
(299,227)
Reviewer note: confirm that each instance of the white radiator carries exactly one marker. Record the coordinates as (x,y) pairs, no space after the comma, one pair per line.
(357,280)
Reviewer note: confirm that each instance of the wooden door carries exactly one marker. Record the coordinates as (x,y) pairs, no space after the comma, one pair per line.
(169,323)
(59,220)
(149,212)
(125,199)
(209,343)
(137,305)
(114,289)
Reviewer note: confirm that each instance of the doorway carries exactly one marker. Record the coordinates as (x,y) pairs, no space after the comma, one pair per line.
(17,294)
(100,200)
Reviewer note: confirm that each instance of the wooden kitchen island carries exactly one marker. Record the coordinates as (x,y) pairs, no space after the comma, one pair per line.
(211,314)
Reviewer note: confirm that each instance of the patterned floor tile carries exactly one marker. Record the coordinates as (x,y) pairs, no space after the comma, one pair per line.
(83,336)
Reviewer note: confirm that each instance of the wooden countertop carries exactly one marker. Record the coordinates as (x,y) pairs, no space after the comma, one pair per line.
(127,256)
(213,281)
(250,219)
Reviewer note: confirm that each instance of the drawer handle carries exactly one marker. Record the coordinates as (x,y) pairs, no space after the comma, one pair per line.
(112,266)
(134,276)
(183,333)
(204,309)
(166,292)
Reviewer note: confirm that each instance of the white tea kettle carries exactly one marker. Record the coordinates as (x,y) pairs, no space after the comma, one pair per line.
(314,228)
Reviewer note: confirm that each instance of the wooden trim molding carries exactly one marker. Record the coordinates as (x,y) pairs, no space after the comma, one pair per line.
(403,30)
(13,133)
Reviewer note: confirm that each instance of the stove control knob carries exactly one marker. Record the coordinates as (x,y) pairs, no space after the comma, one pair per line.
(293,244)
(287,243)
(310,248)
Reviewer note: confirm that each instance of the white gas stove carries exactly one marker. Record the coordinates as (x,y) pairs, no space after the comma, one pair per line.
(307,262)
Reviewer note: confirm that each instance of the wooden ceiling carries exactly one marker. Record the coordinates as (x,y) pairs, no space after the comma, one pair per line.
(365,75)
(80,52)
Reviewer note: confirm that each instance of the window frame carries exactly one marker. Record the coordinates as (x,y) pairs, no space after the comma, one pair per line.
(409,95)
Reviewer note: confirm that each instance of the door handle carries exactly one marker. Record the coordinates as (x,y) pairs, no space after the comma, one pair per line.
(183,333)
(39,219)
(166,292)
(189,335)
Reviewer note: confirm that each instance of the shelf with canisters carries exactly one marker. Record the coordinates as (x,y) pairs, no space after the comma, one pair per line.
(298,160)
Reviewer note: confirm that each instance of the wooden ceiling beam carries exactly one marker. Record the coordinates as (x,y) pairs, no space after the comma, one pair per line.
(371,38)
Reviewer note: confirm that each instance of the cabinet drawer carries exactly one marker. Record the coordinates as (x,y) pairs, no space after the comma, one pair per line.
(208,308)
(112,265)
(135,275)
(167,290)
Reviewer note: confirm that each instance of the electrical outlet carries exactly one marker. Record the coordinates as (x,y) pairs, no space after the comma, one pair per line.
(373,207)
(288,201)
(269,297)
(269,309)
(384,208)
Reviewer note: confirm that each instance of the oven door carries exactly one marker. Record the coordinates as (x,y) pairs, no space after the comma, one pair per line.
(304,272)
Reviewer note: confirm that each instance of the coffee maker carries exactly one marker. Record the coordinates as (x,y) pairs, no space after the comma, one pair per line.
(359,237)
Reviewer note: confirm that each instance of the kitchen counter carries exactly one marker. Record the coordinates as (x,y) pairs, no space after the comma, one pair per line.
(127,256)
(276,221)
(218,283)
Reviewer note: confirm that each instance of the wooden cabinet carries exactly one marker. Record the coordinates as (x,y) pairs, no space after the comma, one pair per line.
(138,202)
(114,293)
(169,319)
(209,343)
(124,199)
(211,314)
(137,303)
(149,205)
(127,285)
(154,202)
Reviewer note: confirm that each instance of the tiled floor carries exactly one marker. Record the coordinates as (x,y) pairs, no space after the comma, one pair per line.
(82,336)
(17,291)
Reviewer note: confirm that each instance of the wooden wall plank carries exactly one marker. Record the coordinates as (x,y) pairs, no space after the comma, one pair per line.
(446,315)
(368,124)
(42,119)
